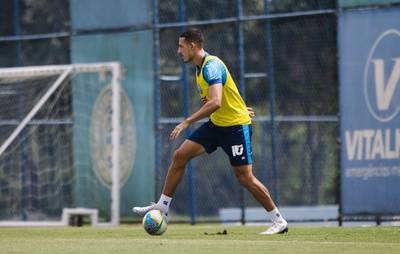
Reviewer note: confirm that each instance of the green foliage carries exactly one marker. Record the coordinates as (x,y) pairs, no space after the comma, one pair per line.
(31,18)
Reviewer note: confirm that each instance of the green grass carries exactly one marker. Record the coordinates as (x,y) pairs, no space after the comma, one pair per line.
(200,239)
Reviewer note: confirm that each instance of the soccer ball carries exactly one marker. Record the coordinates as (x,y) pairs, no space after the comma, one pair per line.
(155,222)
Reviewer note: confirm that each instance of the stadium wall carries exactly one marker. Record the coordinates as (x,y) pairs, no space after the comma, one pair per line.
(134,51)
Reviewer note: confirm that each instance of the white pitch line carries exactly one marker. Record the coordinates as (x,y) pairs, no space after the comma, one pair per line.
(267,241)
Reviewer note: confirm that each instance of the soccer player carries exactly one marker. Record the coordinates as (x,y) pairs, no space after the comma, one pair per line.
(229,127)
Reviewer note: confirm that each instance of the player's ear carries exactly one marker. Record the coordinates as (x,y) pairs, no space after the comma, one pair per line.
(192,45)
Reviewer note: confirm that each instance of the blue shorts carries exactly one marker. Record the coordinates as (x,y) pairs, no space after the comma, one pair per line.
(234,140)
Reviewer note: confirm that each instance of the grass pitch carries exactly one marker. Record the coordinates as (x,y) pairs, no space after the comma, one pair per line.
(200,239)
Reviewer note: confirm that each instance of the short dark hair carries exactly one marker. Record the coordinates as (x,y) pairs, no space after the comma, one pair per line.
(193,35)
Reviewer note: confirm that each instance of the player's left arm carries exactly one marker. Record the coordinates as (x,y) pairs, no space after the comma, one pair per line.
(251,112)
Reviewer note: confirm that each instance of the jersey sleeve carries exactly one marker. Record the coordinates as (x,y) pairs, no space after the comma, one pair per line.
(212,72)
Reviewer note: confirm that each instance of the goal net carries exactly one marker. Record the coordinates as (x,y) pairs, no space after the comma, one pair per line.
(49,143)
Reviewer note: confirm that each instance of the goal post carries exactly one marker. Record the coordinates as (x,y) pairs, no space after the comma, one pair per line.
(38,167)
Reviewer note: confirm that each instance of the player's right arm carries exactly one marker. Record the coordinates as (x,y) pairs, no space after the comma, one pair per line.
(215,92)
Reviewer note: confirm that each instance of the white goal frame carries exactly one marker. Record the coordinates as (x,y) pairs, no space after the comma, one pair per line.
(64,70)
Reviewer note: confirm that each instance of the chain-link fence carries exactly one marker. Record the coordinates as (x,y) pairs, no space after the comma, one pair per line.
(34,32)
(282,55)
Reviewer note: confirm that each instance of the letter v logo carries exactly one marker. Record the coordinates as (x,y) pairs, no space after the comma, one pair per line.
(384,95)
(382,77)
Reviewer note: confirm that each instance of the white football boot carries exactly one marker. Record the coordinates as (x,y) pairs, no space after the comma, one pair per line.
(141,211)
(276,228)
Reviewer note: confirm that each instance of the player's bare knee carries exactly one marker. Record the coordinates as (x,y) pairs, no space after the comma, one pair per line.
(179,158)
(243,179)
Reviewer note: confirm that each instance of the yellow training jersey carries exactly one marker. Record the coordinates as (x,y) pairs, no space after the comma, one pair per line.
(233,110)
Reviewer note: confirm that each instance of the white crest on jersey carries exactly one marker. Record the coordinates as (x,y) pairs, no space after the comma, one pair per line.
(211,71)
